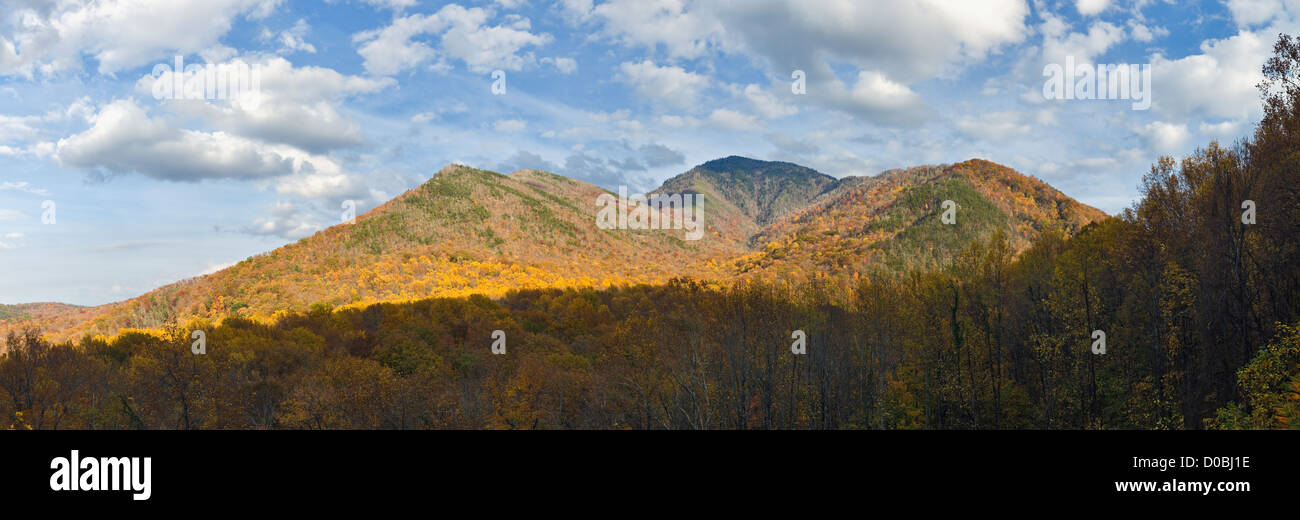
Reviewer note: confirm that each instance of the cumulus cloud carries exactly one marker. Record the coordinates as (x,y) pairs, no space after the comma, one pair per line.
(564,65)
(733,120)
(875,97)
(55,36)
(14,128)
(682,31)
(123,138)
(296,106)
(767,103)
(283,220)
(1166,138)
(396,5)
(993,126)
(876,34)
(666,84)
(872,34)
(463,35)
(1084,47)
(293,39)
(1259,12)
(1219,82)
(1091,7)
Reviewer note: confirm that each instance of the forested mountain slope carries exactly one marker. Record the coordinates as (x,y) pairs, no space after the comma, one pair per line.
(468,231)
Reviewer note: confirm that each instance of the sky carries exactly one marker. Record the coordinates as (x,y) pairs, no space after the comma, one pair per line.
(111,186)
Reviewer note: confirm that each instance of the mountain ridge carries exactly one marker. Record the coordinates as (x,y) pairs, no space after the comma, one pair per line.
(470,231)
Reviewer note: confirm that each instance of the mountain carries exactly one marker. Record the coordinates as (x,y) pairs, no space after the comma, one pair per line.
(468,231)
(893,221)
(744,195)
(464,231)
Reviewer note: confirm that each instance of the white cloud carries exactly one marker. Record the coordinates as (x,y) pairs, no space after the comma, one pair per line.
(1144,33)
(878,36)
(876,98)
(13,128)
(293,39)
(10,63)
(55,36)
(1219,82)
(564,65)
(1166,138)
(216,266)
(733,120)
(681,31)
(296,106)
(123,138)
(994,126)
(675,121)
(11,214)
(1258,12)
(1091,7)
(874,34)
(22,186)
(1083,46)
(668,84)
(464,36)
(510,125)
(767,103)
(329,183)
(1224,131)
(284,220)
(396,5)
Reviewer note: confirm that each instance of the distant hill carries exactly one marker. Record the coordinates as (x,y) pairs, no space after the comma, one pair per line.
(468,231)
(29,311)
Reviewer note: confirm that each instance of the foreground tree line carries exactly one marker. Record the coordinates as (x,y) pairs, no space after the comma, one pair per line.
(1196,290)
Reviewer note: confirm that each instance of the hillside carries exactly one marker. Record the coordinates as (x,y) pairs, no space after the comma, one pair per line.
(41,312)
(892,221)
(467,231)
(463,232)
(744,195)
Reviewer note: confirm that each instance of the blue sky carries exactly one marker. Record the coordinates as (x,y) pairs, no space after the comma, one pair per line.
(361,100)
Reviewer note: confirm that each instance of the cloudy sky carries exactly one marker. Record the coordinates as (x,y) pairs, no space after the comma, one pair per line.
(362,99)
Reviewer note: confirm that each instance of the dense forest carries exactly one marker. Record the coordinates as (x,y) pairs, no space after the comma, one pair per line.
(1195,292)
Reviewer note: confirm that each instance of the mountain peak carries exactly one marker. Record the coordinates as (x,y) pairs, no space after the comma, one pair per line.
(751,193)
(745,166)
